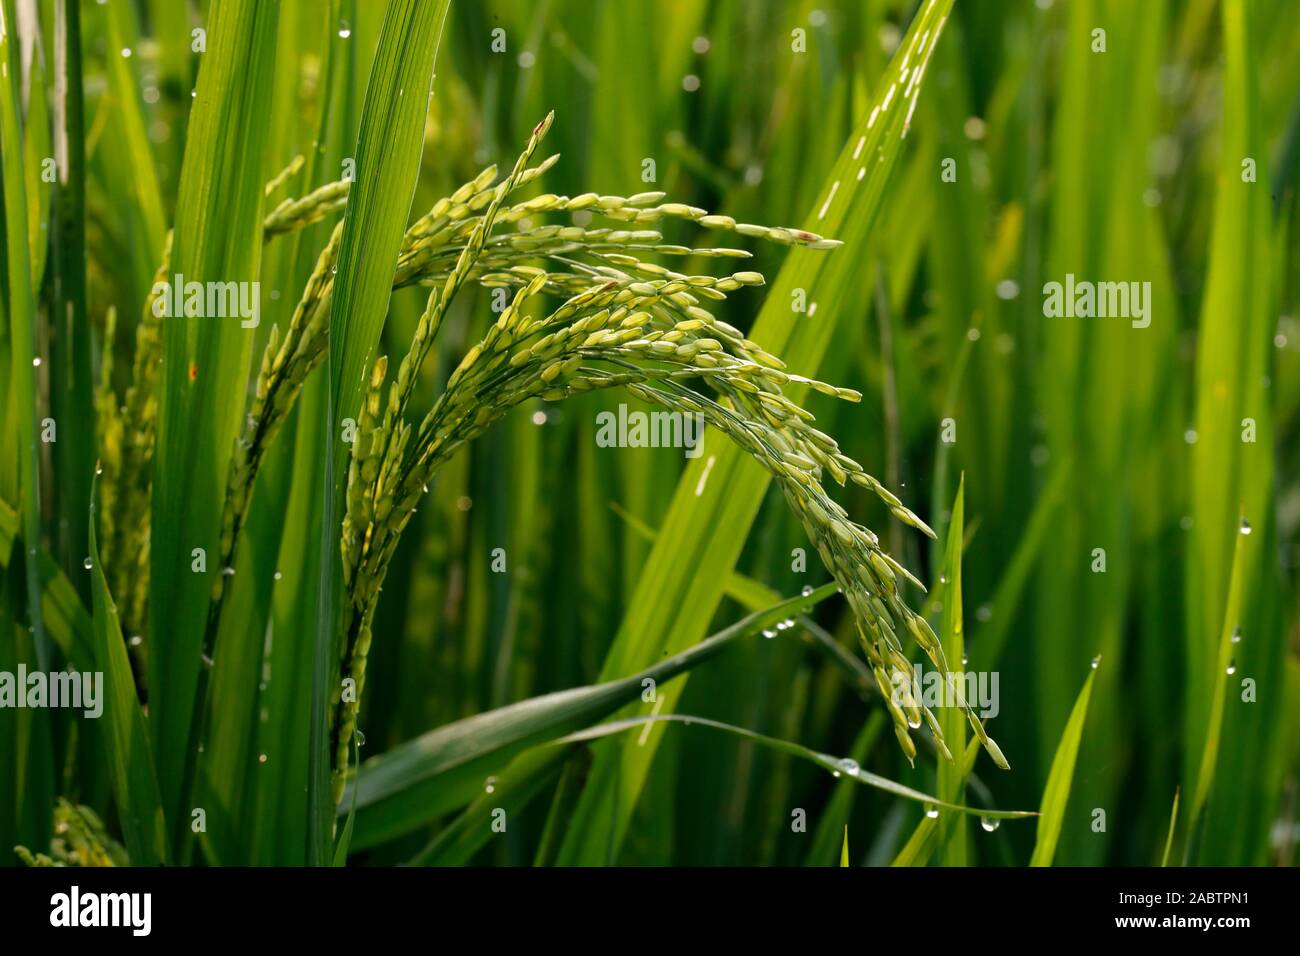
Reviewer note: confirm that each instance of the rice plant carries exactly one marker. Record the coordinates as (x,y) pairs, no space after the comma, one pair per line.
(311,323)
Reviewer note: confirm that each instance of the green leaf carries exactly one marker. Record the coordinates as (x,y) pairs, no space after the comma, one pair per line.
(65,617)
(921,845)
(1173,826)
(835,815)
(423,778)
(71,384)
(1056,795)
(387,165)
(834,765)
(952,720)
(510,791)
(1232,478)
(130,763)
(719,495)
(1228,635)
(218,238)
(22,320)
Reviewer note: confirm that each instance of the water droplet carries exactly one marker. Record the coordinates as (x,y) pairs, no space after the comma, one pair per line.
(345,31)
(965,659)
(914,722)
(136,640)
(988,824)
(849,766)
(126,52)
(99,469)
(228,572)
(984,613)
(1236,634)
(1232,667)
(261,758)
(769,633)
(277,576)
(87,564)
(491,785)
(806,590)
(932,811)
(36,361)
(1245,526)
(361,738)
(1095,661)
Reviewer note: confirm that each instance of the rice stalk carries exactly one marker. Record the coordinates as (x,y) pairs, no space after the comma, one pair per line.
(652,337)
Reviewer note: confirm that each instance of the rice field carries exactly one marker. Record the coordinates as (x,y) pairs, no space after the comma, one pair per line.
(649,433)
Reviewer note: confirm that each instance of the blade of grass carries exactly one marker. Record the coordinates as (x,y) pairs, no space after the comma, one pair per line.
(135,788)
(507,793)
(1231,476)
(218,238)
(1228,635)
(1056,795)
(719,495)
(439,771)
(835,816)
(22,323)
(950,782)
(837,766)
(66,619)
(70,375)
(387,162)
(1173,826)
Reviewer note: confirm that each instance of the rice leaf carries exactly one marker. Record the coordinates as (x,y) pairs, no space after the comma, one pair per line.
(21,308)
(1173,826)
(135,787)
(835,765)
(423,778)
(950,782)
(387,163)
(205,362)
(719,495)
(1056,794)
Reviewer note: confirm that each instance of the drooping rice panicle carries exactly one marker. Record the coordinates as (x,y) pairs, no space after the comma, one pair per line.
(631,323)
